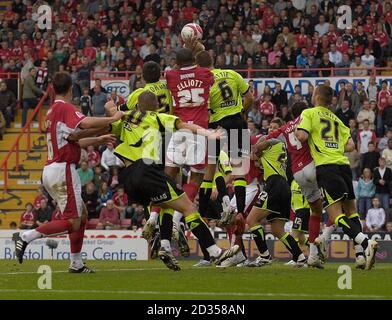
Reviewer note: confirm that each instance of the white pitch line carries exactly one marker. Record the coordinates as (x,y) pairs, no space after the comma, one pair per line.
(97,270)
(234,294)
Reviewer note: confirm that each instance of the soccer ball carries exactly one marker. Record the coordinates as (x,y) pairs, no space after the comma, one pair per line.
(190,30)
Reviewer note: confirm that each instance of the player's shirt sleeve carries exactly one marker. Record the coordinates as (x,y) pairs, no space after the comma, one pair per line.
(116,128)
(305,122)
(72,119)
(132,99)
(168,121)
(242,85)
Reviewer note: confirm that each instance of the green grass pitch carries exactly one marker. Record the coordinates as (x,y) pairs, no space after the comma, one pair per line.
(152,280)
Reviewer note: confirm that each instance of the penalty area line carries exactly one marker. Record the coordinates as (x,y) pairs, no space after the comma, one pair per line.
(233,294)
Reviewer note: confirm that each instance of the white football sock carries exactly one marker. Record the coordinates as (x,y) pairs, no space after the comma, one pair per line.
(31,235)
(327,232)
(165,244)
(76,260)
(313,251)
(153,217)
(214,251)
(177,216)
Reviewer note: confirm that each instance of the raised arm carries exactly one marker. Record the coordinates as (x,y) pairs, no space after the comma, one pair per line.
(96,141)
(99,122)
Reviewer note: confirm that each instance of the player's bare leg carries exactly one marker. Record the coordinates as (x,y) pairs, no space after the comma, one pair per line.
(350,210)
(353,231)
(200,230)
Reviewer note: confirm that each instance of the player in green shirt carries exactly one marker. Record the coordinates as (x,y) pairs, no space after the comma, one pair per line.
(273,203)
(301,207)
(328,139)
(151,74)
(140,133)
(226,112)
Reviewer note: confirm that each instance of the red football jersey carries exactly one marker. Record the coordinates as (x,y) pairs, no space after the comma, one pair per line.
(299,153)
(190,88)
(254,169)
(62,120)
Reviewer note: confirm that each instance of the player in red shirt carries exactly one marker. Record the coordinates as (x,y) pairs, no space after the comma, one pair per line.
(304,172)
(67,131)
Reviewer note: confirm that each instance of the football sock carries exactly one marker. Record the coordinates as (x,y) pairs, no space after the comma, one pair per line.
(154,214)
(52,228)
(355,219)
(177,216)
(206,255)
(166,224)
(221,186)
(204,196)
(240,193)
(76,238)
(328,230)
(201,231)
(314,227)
(352,230)
(259,238)
(291,245)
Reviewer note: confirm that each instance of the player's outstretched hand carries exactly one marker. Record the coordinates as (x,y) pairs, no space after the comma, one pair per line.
(107,138)
(218,134)
(110,108)
(193,44)
(118,115)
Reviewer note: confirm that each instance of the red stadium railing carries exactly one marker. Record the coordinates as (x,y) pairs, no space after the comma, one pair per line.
(290,72)
(26,130)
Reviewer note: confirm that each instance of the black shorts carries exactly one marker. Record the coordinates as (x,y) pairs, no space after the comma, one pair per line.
(301,220)
(149,184)
(335,182)
(237,137)
(276,198)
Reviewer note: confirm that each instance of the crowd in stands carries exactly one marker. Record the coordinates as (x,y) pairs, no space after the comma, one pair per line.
(258,38)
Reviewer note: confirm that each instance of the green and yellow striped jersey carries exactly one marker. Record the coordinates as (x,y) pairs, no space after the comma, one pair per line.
(298,200)
(226,94)
(328,136)
(141,134)
(160,89)
(274,160)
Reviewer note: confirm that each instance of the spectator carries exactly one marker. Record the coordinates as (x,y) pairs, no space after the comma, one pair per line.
(345,113)
(40,196)
(86,174)
(365,192)
(43,214)
(387,115)
(279,96)
(352,97)
(85,103)
(365,136)
(90,199)
(361,93)
(344,64)
(7,104)
(354,159)
(372,89)
(264,127)
(387,154)
(382,179)
(302,59)
(357,68)
(104,193)
(335,56)
(120,199)
(27,219)
(30,94)
(94,157)
(99,176)
(255,115)
(267,108)
(212,225)
(383,142)
(375,218)
(139,218)
(368,59)
(99,100)
(252,128)
(371,158)
(108,159)
(352,124)
(366,114)
(326,65)
(109,217)
(382,103)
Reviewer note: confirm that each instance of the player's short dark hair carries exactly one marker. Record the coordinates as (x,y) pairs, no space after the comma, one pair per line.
(325,93)
(147,101)
(297,108)
(204,59)
(184,57)
(151,72)
(62,82)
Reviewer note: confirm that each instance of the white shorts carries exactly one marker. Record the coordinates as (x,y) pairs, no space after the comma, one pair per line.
(306,179)
(252,192)
(186,148)
(62,182)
